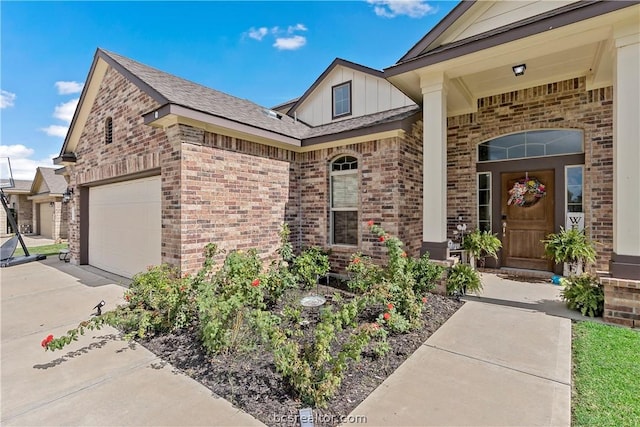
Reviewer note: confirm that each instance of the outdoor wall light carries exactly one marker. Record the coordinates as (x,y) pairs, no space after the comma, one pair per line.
(518,70)
(66,196)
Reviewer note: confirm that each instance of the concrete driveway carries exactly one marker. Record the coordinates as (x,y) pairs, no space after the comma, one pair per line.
(98,380)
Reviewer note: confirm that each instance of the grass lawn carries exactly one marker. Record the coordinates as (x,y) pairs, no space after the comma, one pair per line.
(606,375)
(44,250)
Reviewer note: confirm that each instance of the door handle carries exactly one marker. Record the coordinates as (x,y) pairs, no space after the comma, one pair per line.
(504,229)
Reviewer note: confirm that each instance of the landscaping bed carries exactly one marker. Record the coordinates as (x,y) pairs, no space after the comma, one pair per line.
(272,339)
(250,381)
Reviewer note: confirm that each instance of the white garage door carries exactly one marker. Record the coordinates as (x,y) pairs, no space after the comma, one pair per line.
(125,226)
(46,220)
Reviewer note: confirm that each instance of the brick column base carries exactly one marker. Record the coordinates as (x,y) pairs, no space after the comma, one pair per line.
(621,301)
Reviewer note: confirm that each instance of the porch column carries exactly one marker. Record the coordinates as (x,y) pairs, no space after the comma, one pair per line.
(434,163)
(625,260)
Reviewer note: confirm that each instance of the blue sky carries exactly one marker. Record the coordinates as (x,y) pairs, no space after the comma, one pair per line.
(268,52)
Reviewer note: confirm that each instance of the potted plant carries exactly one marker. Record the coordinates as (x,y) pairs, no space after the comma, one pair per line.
(463,278)
(481,244)
(571,247)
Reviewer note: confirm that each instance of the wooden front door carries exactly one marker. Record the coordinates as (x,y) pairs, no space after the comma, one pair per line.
(527,221)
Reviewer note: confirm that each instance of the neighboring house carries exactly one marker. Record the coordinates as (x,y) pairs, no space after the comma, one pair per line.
(20,206)
(161,166)
(49,211)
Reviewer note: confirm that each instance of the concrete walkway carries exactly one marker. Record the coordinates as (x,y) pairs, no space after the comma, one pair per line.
(504,359)
(98,380)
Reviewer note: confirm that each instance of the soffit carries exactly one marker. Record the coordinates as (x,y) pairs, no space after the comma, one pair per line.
(584,48)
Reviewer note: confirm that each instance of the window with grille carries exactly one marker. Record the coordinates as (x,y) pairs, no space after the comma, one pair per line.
(344,201)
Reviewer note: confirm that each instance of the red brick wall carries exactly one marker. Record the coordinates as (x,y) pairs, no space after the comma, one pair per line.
(136,148)
(234,193)
(390,177)
(565,104)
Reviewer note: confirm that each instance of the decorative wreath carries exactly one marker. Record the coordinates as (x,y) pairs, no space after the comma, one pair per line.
(526,192)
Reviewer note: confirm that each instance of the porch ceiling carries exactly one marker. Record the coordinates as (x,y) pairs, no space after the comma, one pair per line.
(581,49)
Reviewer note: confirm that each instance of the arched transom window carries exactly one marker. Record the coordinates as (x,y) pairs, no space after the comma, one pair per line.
(344,201)
(535,143)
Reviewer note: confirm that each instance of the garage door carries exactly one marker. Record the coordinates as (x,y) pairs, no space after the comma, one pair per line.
(125,226)
(46,220)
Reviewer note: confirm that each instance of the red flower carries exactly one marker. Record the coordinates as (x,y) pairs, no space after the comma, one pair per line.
(424,300)
(386,316)
(382,238)
(45,342)
(127,297)
(356,261)
(182,288)
(390,306)
(403,254)
(255,283)
(370,223)
(375,326)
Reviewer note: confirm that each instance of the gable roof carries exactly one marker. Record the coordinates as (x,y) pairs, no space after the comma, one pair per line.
(179,97)
(54,184)
(426,53)
(169,89)
(336,62)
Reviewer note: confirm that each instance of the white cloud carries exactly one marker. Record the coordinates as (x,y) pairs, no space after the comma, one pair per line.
(66,88)
(22,166)
(297,27)
(393,8)
(285,39)
(7,99)
(290,43)
(65,110)
(257,33)
(56,130)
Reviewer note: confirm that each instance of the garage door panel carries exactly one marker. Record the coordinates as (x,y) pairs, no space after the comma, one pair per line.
(125,226)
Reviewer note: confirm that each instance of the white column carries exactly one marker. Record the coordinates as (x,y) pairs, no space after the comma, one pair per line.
(626,146)
(625,260)
(434,217)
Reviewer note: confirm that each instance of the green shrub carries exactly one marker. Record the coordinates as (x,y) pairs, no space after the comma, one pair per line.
(425,273)
(279,276)
(396,287)
(584,293)
(159,301)
(312,263)
(315,370)
(363,273)
(463,278)
(226,303)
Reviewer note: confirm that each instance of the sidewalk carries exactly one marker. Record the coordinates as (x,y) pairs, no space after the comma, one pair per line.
(495,362)
(98,380)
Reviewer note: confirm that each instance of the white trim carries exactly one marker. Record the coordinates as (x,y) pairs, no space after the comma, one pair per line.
(490,204)
(333,173)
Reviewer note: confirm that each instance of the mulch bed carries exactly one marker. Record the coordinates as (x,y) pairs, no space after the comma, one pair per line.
(250,382)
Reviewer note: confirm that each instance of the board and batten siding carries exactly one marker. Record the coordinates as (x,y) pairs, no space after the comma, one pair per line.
(370,94)
(491,15)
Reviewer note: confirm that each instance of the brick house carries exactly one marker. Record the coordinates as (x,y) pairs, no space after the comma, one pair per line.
(20,207)
(496,94)
(38,205)
(49,211)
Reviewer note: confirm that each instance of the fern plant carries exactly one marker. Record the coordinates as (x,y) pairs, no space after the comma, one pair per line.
(571,246)
(584,293)
(481,244)
(462,279)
